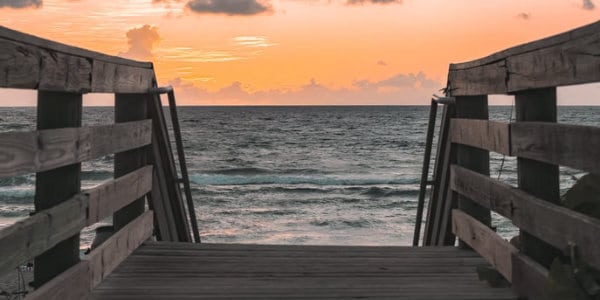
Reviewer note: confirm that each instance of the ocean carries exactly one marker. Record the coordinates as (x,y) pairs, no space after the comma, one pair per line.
(339,175)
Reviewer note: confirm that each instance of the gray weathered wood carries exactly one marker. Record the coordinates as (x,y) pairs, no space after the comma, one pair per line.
(559,144)
(212,271)
(57,110)
(34,63)
(166,172)
(564,59)
(114,78)
(478,160)
(34,235)
(104,259)
(42,150)
(441,174)
(485,241)
(130,107)
(530,279)
(72,284)
(482,134)
(534,177)
(535,216)
(79,280)
(107,198)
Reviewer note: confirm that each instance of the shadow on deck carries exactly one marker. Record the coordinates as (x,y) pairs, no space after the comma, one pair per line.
(161,270)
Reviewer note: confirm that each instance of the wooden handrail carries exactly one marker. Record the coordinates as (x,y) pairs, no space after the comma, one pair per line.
(561,144)
(40,232)
(41,150)
(563,59)
(31,62)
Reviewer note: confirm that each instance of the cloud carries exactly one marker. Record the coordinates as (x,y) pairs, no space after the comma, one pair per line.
(20,3)
(253,41)
(588,4)
(141,41)
(399,89)
(524,16)
(361,2)
(230,7)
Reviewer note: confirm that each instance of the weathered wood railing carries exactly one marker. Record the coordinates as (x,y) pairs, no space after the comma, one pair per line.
(531,73)
(143,164)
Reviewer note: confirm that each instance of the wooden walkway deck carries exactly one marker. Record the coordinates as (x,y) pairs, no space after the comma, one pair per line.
(161,270)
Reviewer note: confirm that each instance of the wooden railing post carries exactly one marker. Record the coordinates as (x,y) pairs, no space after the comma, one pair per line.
(537,178)
(57,110)
(478,160)
(129,107)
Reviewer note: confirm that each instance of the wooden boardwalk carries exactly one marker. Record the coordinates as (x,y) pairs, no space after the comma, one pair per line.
(161,270)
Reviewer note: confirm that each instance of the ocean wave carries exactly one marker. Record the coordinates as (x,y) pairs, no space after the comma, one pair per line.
(389,192)
(226,179)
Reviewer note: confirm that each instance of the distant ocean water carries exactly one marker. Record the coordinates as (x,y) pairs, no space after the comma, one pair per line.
(293,175)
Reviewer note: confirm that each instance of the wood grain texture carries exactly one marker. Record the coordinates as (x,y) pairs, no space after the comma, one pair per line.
(32,236)
(104,259)
(34,63)
(215,271)
(482,134)
(72,284)
(35,151)
(530,279)
(538,178)
(12,35)
(109,197)
(57,110)
(485,241)
(114,78)
(478,160)
(535,216)
(559,144)
(164,163)
(79,280)
(130,107)
(564,59)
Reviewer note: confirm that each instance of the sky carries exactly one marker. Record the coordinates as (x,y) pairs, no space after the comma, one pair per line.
(299,52)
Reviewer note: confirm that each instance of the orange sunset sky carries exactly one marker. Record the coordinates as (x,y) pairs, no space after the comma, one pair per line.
(299,52)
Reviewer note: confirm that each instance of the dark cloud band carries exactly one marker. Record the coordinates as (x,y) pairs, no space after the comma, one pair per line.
(20,3)
(230,7)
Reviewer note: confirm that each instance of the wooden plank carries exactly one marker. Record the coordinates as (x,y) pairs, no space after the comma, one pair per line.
(534,215)
(164,222)
(530,279)
(425,172)
(72,284)
(276,272)
(166,172)
(482,134)
(32,236)
(26,66)
(79,280)
(107,198)
(130,107)
(485,241)
(558,144)
(57,110)
(104,259)
(12,35)
(61,72)
(42,150)
(478,160)
(486,79)
(574,62)
(564,59)
(537,178)
(114,78)
(441,175)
